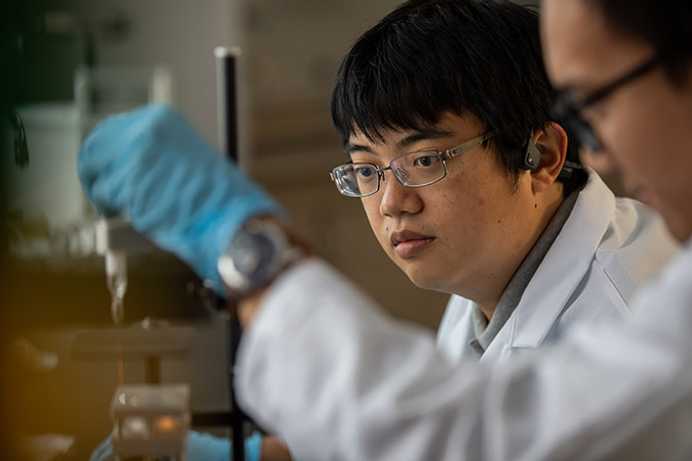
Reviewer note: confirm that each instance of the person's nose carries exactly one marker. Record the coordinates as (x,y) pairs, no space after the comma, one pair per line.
(397,199)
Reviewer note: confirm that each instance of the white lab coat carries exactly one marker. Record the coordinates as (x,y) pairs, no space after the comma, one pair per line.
(337,379)
(607,248)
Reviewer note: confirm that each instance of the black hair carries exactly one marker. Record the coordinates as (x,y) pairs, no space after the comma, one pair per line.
(665,26)
(428,57)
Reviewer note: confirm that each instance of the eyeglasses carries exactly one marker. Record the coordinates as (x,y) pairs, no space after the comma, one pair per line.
(568,109)
(416,169)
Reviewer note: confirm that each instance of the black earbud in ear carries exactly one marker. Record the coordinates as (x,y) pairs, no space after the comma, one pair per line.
(532,159)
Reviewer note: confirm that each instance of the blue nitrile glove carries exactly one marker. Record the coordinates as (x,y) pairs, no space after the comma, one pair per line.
(150,166)
(200,447)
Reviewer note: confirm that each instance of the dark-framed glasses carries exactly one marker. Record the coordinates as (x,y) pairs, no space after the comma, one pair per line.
(415,169)
(569,109)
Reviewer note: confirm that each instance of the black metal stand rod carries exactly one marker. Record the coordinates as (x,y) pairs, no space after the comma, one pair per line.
(228,135)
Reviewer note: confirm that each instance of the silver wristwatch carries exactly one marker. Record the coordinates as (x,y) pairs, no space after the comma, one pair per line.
(258,252)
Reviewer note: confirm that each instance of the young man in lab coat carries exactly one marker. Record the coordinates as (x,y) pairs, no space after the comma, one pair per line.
(527,245)
(338,380)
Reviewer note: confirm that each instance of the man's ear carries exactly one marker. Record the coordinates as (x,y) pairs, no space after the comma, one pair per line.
(551,141)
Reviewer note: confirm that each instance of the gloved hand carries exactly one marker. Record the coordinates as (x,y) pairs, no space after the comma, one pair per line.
(150,166)
(200,447)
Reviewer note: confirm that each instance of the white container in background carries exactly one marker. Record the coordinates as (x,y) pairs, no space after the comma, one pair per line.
(47,190)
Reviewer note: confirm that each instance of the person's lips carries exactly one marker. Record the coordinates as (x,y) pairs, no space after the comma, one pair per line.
(408,244)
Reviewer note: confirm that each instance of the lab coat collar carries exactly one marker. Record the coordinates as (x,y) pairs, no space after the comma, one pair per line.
(563,267)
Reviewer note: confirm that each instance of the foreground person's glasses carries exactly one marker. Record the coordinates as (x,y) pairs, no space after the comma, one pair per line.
(417,169)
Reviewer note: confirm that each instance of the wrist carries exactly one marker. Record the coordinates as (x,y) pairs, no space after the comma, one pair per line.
(248,306)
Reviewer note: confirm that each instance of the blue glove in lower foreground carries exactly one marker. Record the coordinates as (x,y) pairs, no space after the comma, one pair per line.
(151,167)
(200,447)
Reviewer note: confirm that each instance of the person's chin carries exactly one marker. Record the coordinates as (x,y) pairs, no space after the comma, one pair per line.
(423,284)
(422,278)
(679,227)
(644,195)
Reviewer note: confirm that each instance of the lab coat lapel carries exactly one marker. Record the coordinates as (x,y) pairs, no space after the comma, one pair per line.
(560,272)
(457,330)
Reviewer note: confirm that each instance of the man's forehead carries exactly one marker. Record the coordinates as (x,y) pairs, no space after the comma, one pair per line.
(447,126)
(567,33)
(580,47)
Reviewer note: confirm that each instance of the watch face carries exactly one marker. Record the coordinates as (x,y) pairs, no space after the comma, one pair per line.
(245,253)
(246,260)
(254,254)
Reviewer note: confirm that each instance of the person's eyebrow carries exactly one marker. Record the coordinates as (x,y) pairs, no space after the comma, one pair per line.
(351,148)
(563,89)
(575,85)
(423,135)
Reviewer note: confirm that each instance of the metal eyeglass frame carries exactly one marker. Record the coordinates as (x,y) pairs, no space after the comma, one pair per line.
(569,110)
(443,157)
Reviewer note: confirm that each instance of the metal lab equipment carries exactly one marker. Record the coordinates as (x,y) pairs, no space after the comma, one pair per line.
(114,239)
(151,422)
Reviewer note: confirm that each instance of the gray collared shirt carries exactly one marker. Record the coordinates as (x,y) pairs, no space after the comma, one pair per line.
(485,331)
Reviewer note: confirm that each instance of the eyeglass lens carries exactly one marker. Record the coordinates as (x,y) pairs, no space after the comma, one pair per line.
(413,170)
